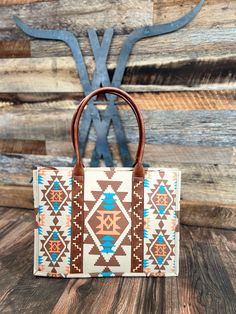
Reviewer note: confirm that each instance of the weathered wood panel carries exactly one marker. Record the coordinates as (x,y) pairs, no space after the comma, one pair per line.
(16,196)
(78,16)
(58,74)
(205,99)
(207,214)
(15,49)
(200,182)
(187,43)
(205,283)
(188,127)
(200,56)
(153,153)
(23,147)
(13,2)
(210,15)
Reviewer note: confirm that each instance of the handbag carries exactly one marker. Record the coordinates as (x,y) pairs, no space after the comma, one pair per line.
(106,222)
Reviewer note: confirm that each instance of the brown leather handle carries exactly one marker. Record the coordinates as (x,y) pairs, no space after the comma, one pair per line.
(138,168)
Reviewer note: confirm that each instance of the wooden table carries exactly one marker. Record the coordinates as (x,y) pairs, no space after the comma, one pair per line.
(206,283)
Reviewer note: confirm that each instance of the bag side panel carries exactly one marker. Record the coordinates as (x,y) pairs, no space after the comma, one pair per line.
(161,219)
(52,194)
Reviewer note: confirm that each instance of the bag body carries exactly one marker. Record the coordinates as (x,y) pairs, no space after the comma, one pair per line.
(106,222)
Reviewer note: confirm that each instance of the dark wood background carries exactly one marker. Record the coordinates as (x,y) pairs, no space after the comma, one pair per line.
(185,85)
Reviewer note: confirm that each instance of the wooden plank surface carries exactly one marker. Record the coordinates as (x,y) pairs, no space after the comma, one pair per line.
(206,99)
(214,182)
(153,152)
(58,74)
(77,16)
(200,56)
(15,49)
(12,2)
(205,284)
(182,127)
(208,191)
(23,146)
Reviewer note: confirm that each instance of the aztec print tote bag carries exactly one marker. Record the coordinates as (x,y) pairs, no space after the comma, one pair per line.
(106,222)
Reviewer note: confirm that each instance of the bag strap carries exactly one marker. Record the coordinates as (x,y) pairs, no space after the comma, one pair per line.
(138,170)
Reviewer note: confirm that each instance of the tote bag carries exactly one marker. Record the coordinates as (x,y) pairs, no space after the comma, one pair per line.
(106,222)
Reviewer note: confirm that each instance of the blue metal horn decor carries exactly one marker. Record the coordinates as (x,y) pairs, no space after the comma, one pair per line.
(101,78)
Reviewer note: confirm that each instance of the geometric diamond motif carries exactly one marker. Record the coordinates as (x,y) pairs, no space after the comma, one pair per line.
(107,222)
(56,195)
(107,215)
(161,198)
(54,246)
(107,231)
(160,238)
(54,217)
(160,249)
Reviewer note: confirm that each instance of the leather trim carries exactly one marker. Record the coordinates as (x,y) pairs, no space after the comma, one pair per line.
(137,225)
(78,169)
(77,224)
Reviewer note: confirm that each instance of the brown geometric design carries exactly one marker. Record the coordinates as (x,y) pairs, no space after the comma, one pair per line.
(137,225)
(161,197)
(160,253)
(55,194)
(77,222)
(54,247)
(109,222)
(106,222)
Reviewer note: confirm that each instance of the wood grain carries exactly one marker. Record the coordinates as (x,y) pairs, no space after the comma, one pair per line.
(153,152)
(58,74)
(206,214)
(17,280)
(200,56)
(207,99)
(14,2)
(16,196)
(182,127)
(193,213)
(205,283)
(187,43)
(78,16)
(23,146)
(208,191)
(15,49)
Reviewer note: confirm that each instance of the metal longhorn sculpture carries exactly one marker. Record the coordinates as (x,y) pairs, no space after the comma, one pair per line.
(101,78)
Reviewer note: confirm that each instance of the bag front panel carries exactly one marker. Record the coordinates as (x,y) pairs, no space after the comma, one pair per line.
(107,222)
(108,233)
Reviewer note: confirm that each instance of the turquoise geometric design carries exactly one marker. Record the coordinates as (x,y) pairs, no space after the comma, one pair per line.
(107,245)
(146,183)
(161,199)
(107,274)
(56,194)
(145,230)
(109,202)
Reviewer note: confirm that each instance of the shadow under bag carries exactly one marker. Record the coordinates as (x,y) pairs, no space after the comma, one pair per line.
(106,222)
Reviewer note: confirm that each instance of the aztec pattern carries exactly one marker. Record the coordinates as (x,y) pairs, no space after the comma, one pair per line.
(52,194)
(137,223)
(119,225)
(77,221)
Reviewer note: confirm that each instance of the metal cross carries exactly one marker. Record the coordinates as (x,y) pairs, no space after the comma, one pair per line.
(101,78)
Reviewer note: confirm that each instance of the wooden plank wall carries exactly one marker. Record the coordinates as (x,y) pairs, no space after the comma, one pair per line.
(185,84)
